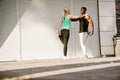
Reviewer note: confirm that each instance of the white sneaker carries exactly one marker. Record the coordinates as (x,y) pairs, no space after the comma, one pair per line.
(65,58)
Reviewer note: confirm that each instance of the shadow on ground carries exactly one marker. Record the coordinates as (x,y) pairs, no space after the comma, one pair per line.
(111,73)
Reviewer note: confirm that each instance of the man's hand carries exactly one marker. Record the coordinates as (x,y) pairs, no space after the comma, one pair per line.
(91,33)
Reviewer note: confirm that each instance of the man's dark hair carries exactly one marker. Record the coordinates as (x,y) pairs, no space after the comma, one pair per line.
(84,8)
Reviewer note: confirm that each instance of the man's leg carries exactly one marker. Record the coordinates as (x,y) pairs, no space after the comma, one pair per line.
(83,38)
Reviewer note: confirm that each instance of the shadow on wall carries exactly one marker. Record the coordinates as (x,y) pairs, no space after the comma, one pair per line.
(9,16)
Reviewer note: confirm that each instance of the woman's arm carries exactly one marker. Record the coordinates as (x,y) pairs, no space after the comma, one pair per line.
(60,25)
(74,17)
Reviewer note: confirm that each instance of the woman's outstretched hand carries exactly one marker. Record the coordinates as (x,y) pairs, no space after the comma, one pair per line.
(58,31)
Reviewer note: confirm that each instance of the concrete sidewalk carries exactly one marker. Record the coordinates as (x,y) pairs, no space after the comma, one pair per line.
(76,69)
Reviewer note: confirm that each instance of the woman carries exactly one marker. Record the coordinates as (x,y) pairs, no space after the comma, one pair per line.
(64,29)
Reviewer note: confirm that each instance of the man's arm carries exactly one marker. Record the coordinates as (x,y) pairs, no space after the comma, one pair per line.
(73,20)
(91,23)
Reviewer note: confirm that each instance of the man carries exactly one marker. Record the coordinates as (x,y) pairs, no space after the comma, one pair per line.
(83,29)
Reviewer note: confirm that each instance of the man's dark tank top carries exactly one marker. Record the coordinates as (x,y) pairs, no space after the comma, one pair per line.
(83,26)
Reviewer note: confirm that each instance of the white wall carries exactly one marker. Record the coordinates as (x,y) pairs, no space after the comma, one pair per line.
(39,38)
(29,29)
(107,15)
(92,42)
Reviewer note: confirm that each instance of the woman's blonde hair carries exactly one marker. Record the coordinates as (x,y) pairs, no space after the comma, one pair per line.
(64,12)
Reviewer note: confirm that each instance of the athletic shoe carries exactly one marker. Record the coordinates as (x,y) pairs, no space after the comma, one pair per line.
(65,58)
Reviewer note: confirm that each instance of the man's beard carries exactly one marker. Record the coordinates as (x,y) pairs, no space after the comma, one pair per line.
(82,13)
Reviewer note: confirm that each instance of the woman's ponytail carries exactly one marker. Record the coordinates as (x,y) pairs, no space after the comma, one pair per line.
(64,12)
